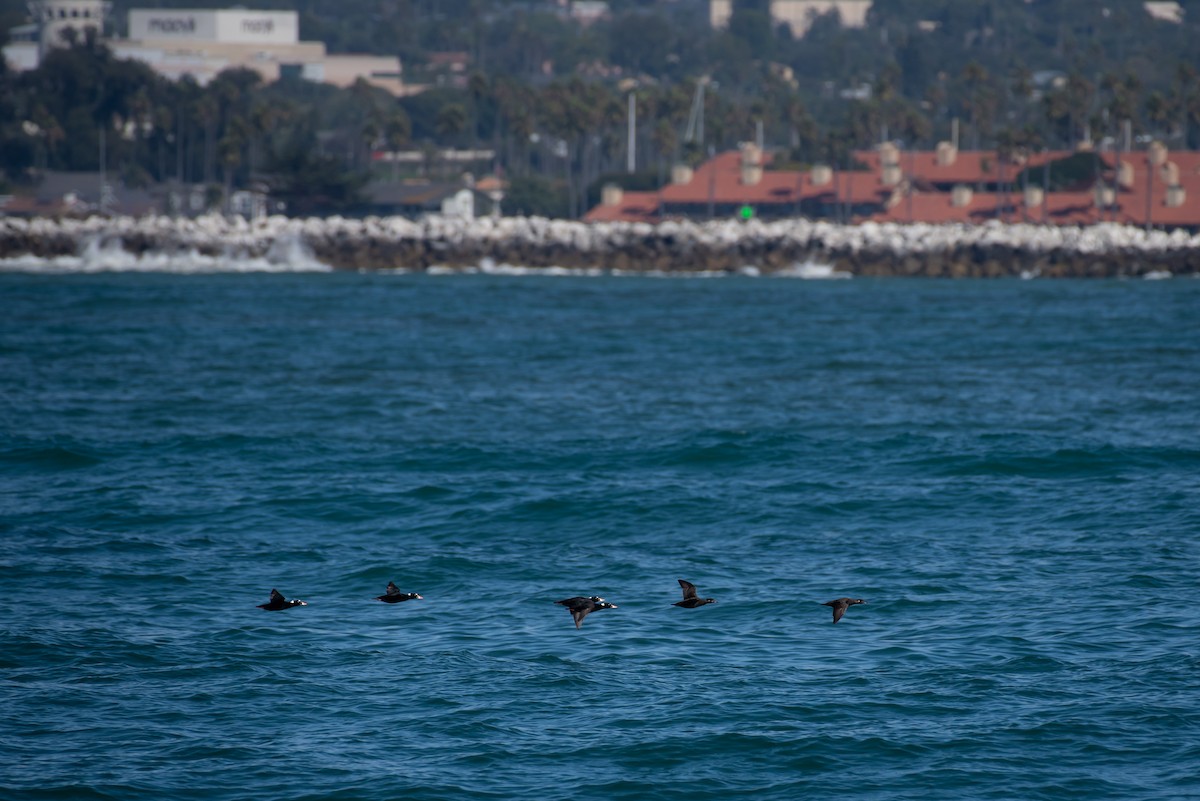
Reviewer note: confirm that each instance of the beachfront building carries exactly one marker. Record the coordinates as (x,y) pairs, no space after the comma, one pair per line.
(54,23)
(201,43)
(1151,187)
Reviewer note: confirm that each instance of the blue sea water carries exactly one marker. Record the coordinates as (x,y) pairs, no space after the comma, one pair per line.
(1008,472)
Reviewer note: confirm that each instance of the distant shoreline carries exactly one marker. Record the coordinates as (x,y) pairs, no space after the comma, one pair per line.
(993,250)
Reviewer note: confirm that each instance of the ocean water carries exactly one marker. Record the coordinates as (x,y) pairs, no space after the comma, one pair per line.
(1008,472)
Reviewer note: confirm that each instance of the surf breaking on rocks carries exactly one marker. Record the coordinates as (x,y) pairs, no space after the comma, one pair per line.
(795,248)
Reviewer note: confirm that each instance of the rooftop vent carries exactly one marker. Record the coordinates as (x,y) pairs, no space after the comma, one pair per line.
(947,153)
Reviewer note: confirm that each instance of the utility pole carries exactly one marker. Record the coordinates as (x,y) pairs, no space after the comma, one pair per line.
(631,147)
(1149,189)
(712,185)
(103,169)
(695,129)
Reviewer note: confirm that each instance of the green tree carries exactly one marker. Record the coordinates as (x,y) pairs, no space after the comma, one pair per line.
(451,121)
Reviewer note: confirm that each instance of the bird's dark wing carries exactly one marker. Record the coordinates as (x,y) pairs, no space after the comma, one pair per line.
(689,589)
(838,611)
(392,589)
(277,597)
(579,613)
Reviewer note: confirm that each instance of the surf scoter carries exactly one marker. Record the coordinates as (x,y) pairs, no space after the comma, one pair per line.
(840,605)
(278,602)
(690,599)
(394,596)
(581,607)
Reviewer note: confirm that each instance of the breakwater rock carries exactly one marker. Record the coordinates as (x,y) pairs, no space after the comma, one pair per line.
(395,243)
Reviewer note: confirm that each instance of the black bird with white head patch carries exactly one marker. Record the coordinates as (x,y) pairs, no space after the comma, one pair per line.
(840,605)
(690,599)
(394,596)
(278,602)
(582,607)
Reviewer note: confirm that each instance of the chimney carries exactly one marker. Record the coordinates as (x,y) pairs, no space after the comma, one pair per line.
(1176,195)
(1125,175)
(1157,153)
(889,154)
(611,195)
(891,175)
(1104,197)
(820,174)
(681,174)
(1170,173)
(751,164)
(947,153)
(1034,197)
(961,196)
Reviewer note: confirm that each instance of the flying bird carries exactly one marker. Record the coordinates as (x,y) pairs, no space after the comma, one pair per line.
(582,607)
(278,602)
(840,605)
(394,596)
(690,599)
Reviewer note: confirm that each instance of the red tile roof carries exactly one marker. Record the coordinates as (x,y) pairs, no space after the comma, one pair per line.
(718,183)
(968,167)
(634,207)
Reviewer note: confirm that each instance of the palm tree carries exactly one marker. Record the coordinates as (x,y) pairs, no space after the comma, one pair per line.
(396,132)
(1123,92)
(514,106)
(1185,99)
(981,100)
(451,120)
(478,90)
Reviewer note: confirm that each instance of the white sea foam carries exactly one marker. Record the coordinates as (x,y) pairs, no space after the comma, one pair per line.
(812,271)
(102,249)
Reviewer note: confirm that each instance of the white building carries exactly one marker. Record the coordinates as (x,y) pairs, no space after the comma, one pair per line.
(797,14)
(203,42)
(1168,11)
(54,23)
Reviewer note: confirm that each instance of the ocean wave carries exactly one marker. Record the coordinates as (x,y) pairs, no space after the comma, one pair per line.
(50,457)
(106,254)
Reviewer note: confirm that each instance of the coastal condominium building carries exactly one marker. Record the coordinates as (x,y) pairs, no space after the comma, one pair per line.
(202,43)
(1153,187)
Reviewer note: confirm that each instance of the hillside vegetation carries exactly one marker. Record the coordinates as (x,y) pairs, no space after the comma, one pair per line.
(550,96)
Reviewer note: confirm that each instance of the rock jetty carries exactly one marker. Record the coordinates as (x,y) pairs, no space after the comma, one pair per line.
(725,246)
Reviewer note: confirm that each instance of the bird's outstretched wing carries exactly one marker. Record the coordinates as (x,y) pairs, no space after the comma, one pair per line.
(689,589)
